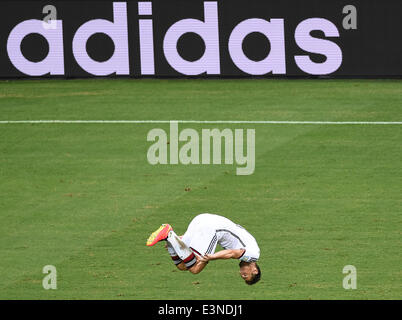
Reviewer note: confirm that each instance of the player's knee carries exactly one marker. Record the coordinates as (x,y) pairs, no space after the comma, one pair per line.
(194,270)
(181,266)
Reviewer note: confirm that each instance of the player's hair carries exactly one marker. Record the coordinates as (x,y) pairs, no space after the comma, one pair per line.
(256,277)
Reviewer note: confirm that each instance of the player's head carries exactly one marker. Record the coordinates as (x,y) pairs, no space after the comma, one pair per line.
(250,272)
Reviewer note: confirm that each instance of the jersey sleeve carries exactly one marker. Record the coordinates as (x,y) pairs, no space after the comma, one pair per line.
(249,256)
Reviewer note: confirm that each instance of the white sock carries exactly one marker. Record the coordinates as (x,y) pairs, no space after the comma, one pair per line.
(176,259)
(181,249)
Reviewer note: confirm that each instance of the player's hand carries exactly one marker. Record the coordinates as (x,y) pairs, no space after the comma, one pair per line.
(206,258)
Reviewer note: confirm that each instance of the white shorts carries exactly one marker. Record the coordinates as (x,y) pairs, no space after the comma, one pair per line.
(201,235)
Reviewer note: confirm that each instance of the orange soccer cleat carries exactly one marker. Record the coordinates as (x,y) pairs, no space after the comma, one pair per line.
(158,235)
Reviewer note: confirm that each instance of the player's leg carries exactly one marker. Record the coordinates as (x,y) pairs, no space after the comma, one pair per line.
(176,247)
(175,257)
(185,254)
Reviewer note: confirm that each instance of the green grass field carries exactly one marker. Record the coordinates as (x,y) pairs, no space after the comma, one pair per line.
(84,198)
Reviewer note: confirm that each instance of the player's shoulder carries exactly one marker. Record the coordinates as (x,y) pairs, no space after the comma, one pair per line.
(248,259)
(249,255)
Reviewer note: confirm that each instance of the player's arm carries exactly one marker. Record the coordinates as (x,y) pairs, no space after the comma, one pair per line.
(224,254)
(198,266)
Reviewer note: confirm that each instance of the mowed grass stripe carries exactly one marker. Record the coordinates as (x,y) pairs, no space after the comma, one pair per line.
(125,99)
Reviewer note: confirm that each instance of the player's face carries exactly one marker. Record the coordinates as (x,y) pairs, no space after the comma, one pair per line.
(247,270)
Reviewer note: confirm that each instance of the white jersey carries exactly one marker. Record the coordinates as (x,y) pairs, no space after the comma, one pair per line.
(207,230)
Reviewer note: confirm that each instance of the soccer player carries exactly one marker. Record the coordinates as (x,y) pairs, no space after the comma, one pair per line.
(197,246)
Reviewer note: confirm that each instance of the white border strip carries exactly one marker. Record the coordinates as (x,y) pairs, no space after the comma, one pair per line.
(202,122)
